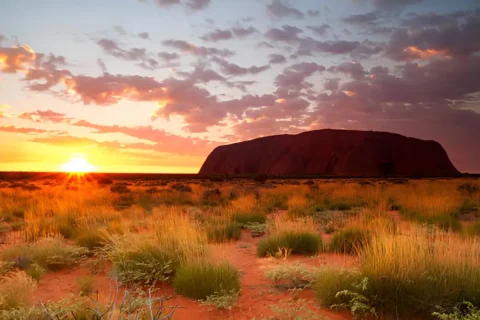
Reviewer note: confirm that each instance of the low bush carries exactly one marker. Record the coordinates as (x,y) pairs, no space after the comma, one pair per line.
(221,232)
(51,254)
(202,280)
(137,262)
(86,285)
(295,242)
(16,290)
(246,218)
(89,239)
(409,274)
(350,241)
(296,276)
(330,280)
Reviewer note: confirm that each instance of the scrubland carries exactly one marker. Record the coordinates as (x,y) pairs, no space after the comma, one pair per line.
(240,249)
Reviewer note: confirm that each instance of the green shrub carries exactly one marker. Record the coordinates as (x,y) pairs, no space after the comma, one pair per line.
(223,300)
(223,232)
(350,241)
(330,281)
(296,276)
(296,242)
(256,229)
(199,281)
(35,271)
(148,265)
(89,239)
(51,254)
(246,218)
(464,311)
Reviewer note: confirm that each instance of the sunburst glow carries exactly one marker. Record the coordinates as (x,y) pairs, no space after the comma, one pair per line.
(78,164)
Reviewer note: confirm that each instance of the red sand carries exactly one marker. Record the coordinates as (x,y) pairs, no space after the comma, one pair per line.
(256,296)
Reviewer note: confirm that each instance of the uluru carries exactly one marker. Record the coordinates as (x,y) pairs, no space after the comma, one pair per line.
(346,153)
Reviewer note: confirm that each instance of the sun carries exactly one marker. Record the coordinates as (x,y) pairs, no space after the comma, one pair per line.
(78,164)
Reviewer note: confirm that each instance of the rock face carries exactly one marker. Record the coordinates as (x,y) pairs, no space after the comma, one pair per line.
(329,152)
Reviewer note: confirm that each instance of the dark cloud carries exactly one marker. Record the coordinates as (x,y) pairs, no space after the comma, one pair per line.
(102,65)
(309,46)
(217,35)
(321,29)
(426,37)
(313,13)
(366,19)
(232,69)
(197,4)
(391,4)
(198,51)
(168,56)
(227,34)
(280,9)
(190,4)
(353,69)
(294,76)
(288,34)
(243,32)
(277,58)
(111,47)
(143,35)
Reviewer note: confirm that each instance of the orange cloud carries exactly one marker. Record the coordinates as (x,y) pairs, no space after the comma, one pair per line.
(425,54)
(16,59)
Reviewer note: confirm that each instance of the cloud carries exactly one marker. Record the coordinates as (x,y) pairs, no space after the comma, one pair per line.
(280,9)
(190,4)
(353,69)
(321,29)
(198,51)
(232,69)
(45,116)
(143,35)
(217,35)
(425,37)
(294,76)
(197,4)
(227,34)
(22,130)
(277,59)
(288,34)
(3,113)
(365,19)
(391,4)
(308,46)
(313,13)
(16,59)
(243,32)
(163,141)
(112,48)
(168,56)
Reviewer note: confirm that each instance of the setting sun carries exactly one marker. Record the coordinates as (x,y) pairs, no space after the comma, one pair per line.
(78,165)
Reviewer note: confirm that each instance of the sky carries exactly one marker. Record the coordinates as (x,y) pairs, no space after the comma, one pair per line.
(156,85)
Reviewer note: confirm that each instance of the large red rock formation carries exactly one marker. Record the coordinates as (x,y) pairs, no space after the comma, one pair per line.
(332,153)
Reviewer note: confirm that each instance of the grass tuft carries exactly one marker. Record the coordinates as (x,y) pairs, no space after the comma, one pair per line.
(202,280)
(295,242)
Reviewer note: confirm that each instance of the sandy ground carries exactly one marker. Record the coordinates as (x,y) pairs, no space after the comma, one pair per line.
(257,293)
